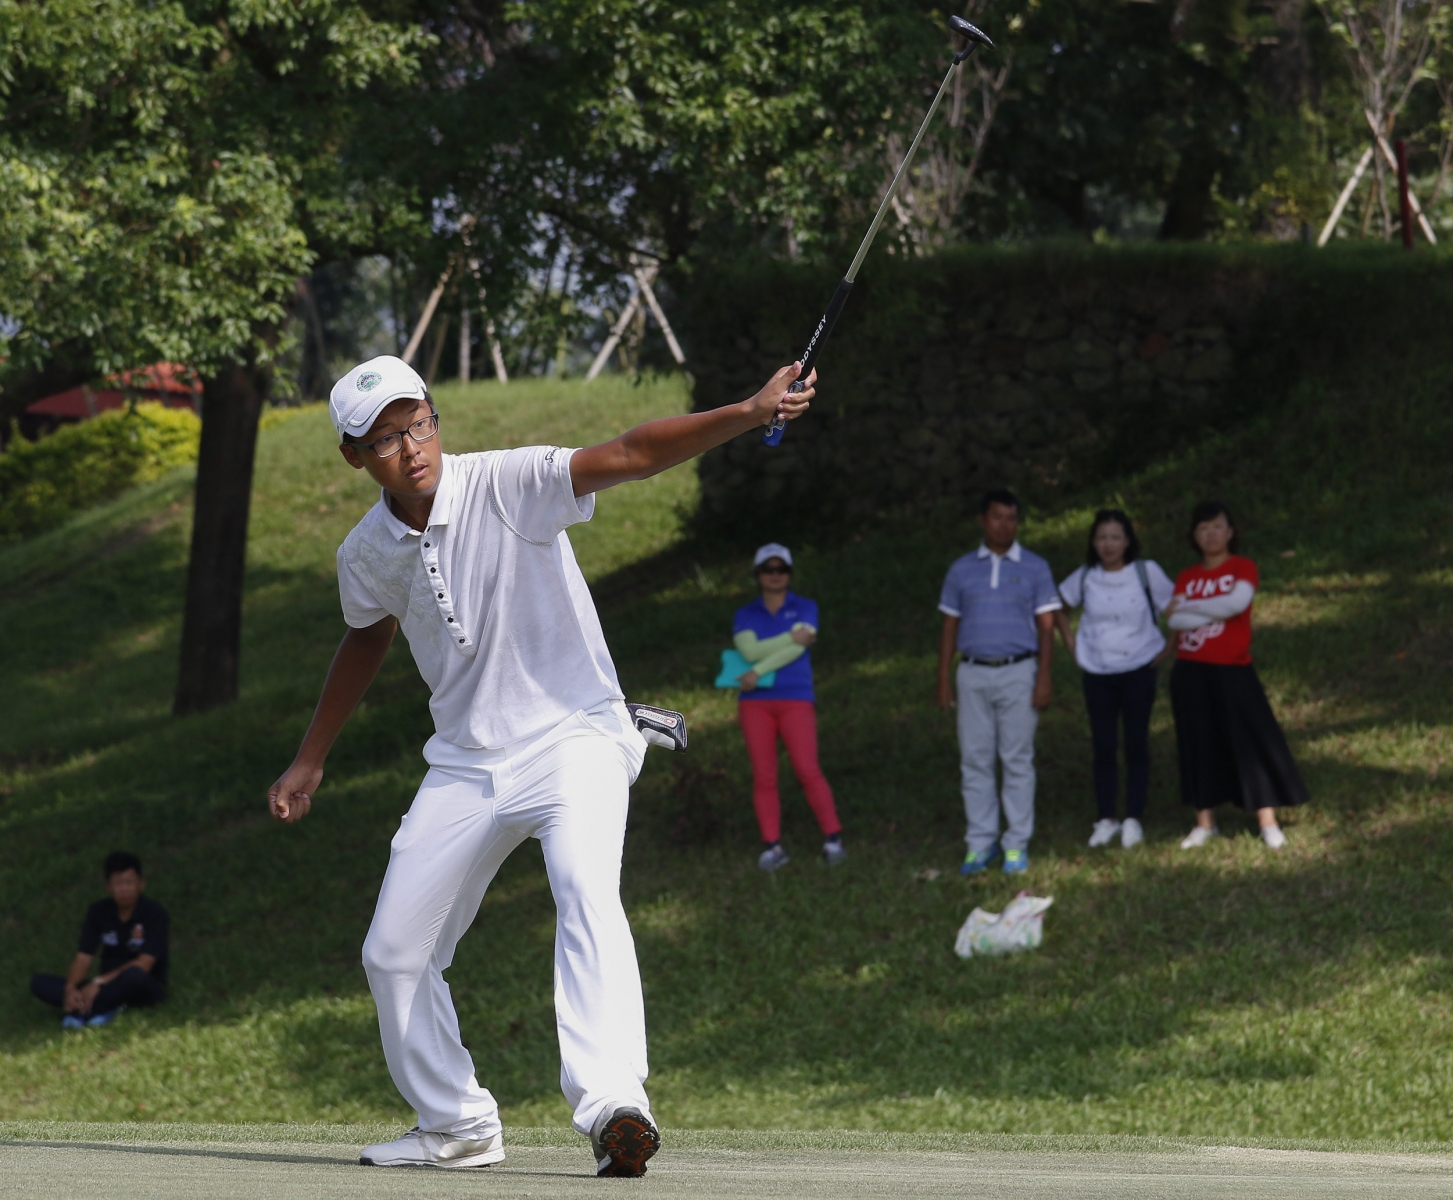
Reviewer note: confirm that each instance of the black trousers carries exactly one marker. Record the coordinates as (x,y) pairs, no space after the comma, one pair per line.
(1231,748)
(1109,699)
(133,987)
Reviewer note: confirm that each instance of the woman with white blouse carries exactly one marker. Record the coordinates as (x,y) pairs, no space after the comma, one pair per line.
(1119,641)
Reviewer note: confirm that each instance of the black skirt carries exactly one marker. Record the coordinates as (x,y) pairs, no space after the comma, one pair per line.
(1231,749)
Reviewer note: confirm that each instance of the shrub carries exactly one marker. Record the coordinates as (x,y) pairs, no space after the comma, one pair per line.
(1045,368)
(43,483)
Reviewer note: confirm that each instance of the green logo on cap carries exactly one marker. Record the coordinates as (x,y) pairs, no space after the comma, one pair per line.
(368,381)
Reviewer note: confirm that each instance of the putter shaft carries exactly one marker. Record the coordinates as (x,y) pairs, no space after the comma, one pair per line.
(835,306)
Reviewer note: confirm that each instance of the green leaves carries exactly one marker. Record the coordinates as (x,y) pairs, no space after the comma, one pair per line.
(157,164)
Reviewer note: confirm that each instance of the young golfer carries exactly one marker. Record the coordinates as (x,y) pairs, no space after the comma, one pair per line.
(468,554)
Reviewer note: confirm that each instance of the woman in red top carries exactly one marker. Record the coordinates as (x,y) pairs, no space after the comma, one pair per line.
(1231,748)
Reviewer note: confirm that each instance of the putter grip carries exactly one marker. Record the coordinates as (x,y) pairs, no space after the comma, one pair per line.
(809,357)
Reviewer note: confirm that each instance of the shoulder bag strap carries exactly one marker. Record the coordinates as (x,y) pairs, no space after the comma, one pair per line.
(1145,587)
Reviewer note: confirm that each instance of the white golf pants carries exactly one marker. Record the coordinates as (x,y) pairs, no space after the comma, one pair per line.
(568,788)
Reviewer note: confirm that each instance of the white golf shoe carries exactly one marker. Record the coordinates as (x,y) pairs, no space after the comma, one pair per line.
(419,1149)
(1103,833)
(1274,838)
(1198,837)
(1132,833)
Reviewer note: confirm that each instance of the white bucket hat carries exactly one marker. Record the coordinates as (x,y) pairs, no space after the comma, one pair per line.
(358,398)
(772,550)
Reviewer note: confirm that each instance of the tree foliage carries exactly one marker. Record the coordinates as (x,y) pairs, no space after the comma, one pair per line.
(167,170)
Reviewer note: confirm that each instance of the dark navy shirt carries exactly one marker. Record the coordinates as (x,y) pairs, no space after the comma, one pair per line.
(144,932)
(794,681)
(996,599)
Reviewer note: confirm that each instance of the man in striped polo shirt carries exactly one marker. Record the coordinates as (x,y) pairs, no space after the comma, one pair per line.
(997,606)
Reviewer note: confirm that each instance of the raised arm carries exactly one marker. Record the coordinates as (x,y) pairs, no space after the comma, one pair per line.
(660,445)
(359,656)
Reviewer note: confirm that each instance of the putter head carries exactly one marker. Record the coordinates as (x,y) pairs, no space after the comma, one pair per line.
(973,33)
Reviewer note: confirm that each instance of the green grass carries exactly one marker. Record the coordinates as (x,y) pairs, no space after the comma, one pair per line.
(1231,994)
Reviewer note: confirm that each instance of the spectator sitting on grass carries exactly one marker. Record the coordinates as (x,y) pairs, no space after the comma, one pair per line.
(131,933)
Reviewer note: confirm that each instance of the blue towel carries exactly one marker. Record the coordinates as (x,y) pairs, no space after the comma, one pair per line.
(734,666)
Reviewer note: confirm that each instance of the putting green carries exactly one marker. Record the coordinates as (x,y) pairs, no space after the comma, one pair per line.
(170,1162)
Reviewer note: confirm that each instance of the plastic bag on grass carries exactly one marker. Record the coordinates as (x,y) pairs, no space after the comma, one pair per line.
(1018,927)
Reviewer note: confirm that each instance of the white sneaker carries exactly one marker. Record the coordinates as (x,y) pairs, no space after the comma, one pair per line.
(1104,833)
(1274,838)
(772,858)
(1131,833)
(1198,837)
(834,853)
(419,1149)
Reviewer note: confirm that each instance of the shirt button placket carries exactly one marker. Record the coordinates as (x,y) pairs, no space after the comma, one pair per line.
(431,560)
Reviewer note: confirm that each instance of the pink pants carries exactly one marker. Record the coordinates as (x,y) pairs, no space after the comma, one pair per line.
(796,722)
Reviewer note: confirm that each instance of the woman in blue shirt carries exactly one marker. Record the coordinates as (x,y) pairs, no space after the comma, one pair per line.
(773,633)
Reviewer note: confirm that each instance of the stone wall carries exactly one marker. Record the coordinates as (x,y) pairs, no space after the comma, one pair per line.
(1040,371)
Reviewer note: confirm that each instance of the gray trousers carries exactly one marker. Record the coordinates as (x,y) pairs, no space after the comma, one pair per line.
(997,719)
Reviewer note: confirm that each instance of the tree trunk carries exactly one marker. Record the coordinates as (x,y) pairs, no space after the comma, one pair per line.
(1190,195)
(212,624)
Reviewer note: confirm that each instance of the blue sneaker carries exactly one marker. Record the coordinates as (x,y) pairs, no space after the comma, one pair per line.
(73,1022)
(978,860)
(101,1019)
(1016,862)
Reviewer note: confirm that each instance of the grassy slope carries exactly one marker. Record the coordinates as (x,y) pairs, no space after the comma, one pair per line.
(1230,994)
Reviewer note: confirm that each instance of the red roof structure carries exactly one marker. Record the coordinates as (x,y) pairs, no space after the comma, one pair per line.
(173,384)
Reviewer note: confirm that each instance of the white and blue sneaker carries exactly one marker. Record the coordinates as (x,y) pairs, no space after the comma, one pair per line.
(419,1149)
(772,857)
(101,1020)
(979,860)
(72,1022)
(834,853)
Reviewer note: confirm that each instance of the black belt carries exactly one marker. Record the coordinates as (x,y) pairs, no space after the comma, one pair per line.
(998,662)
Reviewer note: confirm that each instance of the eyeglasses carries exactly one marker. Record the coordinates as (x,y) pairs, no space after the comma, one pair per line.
(391,443)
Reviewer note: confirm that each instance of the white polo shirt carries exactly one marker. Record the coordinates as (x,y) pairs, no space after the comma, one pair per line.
(489,596)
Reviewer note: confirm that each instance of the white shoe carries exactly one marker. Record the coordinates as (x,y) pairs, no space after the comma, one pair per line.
(1274,838)
(1198,837)
(1104,833)
(834,853)
(772,858)
(1131,833)
(419,1149)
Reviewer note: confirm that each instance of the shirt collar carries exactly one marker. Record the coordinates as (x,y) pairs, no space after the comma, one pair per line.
(439,512)
(1013,555)
(762,604)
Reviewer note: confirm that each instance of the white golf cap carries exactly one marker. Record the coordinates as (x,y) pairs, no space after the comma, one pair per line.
(358,398)
(772,550)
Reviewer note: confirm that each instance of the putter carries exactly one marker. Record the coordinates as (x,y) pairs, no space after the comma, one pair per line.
(976,38)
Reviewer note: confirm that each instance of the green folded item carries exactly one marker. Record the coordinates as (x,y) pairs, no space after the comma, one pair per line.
(734,666)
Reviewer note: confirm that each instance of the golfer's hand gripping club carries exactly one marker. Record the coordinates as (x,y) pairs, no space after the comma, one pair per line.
(819,337)
(975,38)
